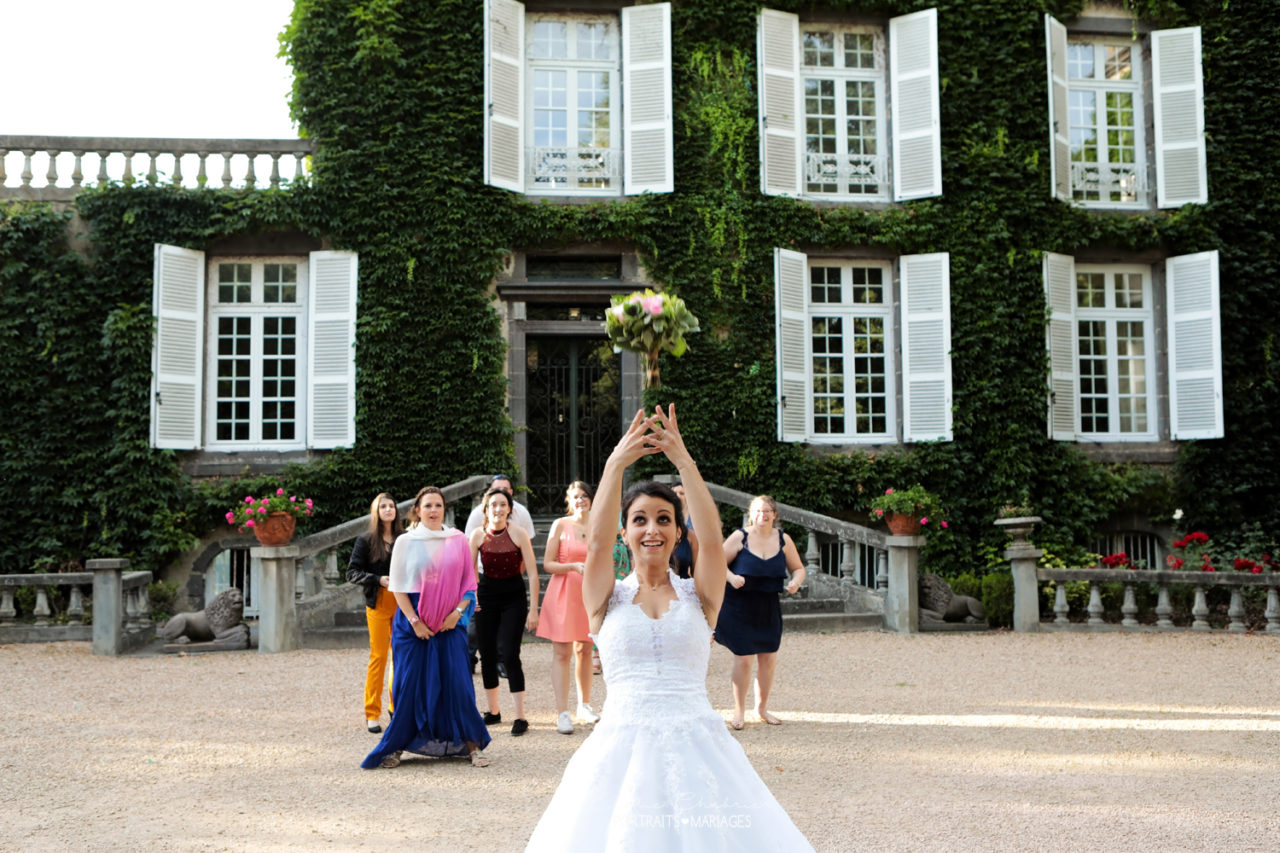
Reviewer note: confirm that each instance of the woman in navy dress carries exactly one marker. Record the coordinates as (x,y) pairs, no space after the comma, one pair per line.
(434,583)
(750,624)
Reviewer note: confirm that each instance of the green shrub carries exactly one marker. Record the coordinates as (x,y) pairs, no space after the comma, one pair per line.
(997,598)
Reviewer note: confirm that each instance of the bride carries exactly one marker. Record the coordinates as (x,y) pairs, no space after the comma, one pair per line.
(660,772)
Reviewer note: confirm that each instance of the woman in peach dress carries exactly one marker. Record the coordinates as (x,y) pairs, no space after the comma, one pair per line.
(564,618)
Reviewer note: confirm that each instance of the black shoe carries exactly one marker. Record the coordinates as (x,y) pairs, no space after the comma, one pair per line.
(519,727)
(502,669)
(374,728)
(490,719)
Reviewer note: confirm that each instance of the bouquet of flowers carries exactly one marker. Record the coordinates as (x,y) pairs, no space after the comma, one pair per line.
(250,512)
(649,323)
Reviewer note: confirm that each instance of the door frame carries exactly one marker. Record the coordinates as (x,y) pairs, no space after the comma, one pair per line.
(517,353)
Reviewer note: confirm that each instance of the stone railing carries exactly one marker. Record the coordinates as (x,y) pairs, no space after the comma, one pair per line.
(121,611)
(57,168)
(1027,578)
(896,590)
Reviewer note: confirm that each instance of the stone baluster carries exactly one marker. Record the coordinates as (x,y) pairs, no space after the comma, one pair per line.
(1095,604)
(51,176)
(332,574)
(1060,606)
(226,170)
(275,171)
(75,606)
(1273,611)
(152,156)
(42,611)
(1200,610)
(250,179)
(811,557)
(882,570)
(144,609)
(1163,609)
(4,152)
(201,177)
(77,176)
(298,166)
(1129,610)
(1235,612)
(177,168)
(7,610)
(27,154)
(127,180)
(848,560)
(102,168)
(131,609)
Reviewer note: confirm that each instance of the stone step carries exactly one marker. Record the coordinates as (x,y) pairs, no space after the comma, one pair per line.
(831,623)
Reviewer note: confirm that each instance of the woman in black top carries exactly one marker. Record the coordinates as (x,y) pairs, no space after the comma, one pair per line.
(370,565)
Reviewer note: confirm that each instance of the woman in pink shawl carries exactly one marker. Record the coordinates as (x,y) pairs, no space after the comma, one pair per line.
(434,585)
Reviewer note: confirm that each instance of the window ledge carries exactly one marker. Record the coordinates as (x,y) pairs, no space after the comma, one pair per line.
(205,463)
(1143,452)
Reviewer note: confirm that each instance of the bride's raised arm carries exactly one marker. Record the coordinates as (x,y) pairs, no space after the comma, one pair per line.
(710,569)
(602,526)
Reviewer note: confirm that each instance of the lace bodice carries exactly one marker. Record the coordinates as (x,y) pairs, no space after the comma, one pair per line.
(655,669)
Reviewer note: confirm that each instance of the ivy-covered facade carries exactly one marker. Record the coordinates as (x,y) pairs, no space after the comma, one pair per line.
(491,224)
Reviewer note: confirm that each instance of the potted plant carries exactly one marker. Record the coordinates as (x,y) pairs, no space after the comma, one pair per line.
(649,323)
(272,517)
(909,512)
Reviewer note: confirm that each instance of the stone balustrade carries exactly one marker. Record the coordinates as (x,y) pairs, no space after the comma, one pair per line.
(57,168)
(120,611)
(1027,579)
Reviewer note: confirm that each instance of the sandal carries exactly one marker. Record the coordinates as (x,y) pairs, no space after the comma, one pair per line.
(392,760)
(478,759)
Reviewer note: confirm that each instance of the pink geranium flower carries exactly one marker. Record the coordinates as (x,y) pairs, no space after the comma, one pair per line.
(250,523)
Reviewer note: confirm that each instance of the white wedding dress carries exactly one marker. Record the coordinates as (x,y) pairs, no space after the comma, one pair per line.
(660,772)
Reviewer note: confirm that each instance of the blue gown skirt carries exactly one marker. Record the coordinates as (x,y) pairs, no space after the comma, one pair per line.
(750,620)
(435,698)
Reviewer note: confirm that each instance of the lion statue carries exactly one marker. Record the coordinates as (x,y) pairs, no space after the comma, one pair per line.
(939,604)
(220,624)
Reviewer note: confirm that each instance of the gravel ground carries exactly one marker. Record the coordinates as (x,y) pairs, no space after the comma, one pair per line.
(990,741)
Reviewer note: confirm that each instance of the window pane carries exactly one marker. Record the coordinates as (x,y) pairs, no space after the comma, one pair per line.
(824,285)
(828,374)
(1080,61)
(1118,63)
(279,283)
(279,336)
(594,41)
(859,50)
(868,285)
(550,40)
(1091,290)
(234,363)
(820,50)
(235,283)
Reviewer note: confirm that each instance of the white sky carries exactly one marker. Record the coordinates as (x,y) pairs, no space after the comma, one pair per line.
(139,68)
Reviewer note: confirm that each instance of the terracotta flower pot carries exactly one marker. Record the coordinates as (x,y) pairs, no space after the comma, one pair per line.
(275,530)
(902,525)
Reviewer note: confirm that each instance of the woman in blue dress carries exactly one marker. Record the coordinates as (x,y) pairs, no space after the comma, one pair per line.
(434,584)
(750,625)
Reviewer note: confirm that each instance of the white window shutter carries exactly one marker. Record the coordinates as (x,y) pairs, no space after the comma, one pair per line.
(781,126)
(926,346)
(790,289)
(177,351)
(331,335)
(1055,44)
(1195,346)
(504,94)
(646,99)
(1060,340)
(917,137)
(1181,175)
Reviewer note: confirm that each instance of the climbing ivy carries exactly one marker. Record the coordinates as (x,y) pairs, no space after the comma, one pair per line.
(392,94)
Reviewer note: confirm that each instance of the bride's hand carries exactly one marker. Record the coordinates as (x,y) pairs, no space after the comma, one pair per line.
(636,442)
(666,436)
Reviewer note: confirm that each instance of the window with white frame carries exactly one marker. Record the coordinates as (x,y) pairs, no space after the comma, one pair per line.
(256,339)
(1114,345)
(578,103)
(1103,351)
(259,358)
(849,112)
(1098,87)
(843,343)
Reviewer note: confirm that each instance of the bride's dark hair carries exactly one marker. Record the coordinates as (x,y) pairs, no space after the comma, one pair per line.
(653,489)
